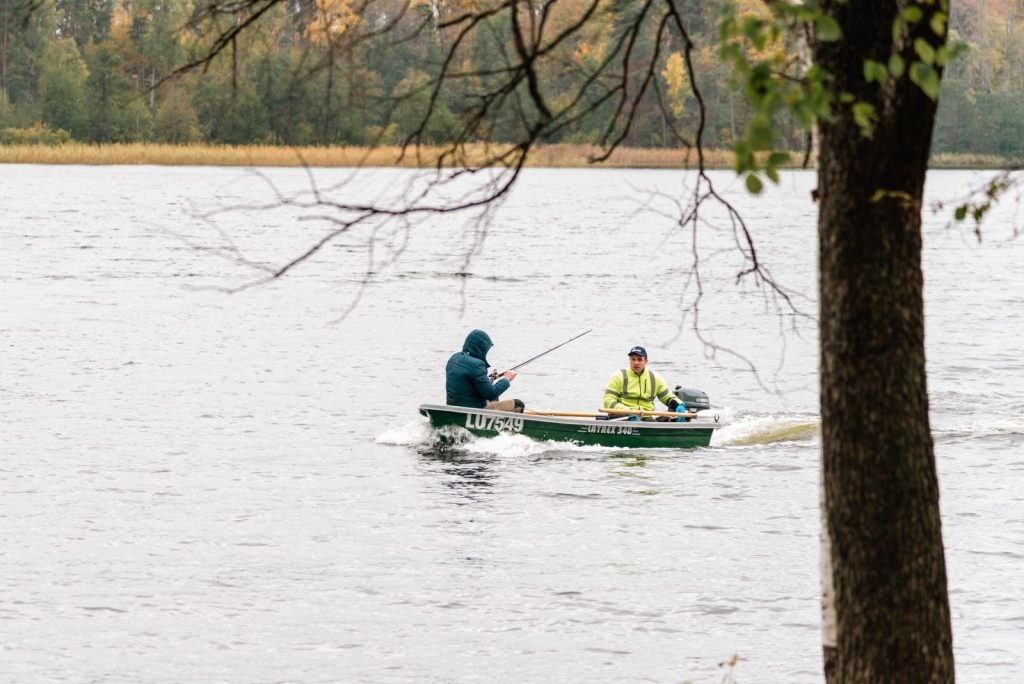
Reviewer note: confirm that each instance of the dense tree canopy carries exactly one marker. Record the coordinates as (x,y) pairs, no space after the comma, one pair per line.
(352,72)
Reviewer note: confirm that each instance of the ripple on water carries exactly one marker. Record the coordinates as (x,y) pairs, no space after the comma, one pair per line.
(244,478)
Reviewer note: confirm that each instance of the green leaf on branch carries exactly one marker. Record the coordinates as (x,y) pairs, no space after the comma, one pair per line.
(743,157)
(925,51)
(753,30)
(875,71)
(896,66)
(826,29)
(926,78)
(754,184)
(912,14)
(956,48)
(900,196)
(864,116)
(761,133)
(938,23)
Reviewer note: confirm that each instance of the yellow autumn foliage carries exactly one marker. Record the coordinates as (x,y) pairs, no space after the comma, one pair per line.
(331,18)
(676,83)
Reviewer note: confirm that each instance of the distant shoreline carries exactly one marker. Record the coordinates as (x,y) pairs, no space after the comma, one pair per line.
(547,156)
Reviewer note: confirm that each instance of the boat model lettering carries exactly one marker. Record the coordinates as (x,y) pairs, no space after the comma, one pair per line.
(609,429)
(496,423)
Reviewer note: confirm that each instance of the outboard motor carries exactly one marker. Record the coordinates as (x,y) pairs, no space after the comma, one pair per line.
(695,400)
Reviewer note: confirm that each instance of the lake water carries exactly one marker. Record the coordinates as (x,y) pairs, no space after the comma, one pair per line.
(200,486)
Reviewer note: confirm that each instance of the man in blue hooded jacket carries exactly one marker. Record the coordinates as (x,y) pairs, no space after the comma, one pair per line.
(466,381)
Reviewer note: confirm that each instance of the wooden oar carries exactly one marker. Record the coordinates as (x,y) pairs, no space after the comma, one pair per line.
(620,412)
(569,414)
(639,412)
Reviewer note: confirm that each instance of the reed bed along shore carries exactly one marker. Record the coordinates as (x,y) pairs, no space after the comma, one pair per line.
(549,156)
(947,160)
(567,156)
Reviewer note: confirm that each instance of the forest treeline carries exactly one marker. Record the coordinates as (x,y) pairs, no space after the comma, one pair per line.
(359,72)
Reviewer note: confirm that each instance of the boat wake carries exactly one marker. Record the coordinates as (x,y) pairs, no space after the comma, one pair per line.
(418,433)
(413,433)
(991,425)
(754,429)
(743,430)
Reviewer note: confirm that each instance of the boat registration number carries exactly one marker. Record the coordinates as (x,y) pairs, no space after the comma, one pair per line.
(496,423)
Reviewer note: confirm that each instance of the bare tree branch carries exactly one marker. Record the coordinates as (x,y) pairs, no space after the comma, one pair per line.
(622,79)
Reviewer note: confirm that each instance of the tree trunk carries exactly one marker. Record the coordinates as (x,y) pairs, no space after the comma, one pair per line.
(828,595)
(325,136)
(881,494)
(3,53)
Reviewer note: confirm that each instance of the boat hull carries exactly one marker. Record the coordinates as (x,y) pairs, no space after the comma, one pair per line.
(582,431)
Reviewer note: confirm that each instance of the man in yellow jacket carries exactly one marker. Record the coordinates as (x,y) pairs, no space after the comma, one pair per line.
(636,387)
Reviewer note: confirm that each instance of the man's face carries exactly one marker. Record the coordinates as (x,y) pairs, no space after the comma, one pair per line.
(637,363)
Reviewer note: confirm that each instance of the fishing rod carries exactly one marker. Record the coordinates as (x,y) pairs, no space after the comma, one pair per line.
(494,374)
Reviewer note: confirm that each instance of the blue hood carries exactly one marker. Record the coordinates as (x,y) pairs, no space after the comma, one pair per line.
(477,344)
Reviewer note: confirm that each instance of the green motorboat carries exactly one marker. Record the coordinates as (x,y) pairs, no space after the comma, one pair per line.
(578,428)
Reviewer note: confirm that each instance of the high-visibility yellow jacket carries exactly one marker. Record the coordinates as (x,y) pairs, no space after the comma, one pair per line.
(626,389)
